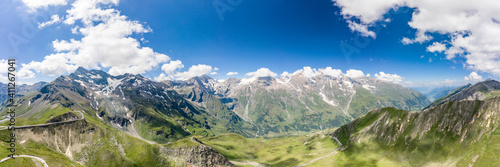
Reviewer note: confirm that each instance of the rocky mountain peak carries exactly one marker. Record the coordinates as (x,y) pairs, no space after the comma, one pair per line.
(81,70)
(479,91)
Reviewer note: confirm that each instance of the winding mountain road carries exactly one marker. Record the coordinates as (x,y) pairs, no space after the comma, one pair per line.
(48,124)
(28,156)
(338,142)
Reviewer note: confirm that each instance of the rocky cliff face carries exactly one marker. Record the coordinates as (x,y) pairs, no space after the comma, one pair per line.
(68,139)
(199,155)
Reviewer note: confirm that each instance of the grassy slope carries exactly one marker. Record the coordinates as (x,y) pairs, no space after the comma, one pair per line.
(284,151)
(41,117)
(104,149)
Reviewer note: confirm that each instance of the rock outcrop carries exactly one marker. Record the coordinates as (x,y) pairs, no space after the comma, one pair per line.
(199,155)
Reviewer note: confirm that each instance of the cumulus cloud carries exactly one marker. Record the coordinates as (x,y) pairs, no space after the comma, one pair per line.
(361,14)
(194,71)
(106,43)
(33,5)
(361,28)
(473,28)
(3,71)
(389,77)
(262,72)
(232,73)
(436,47)
(172,71)
(52,65)
(421,37)
(331,72)
(473,77)
(286,74)
(172,66)
(354,73)
(307,72)
(4,66)
(162,77)
(169,70)
(53,19)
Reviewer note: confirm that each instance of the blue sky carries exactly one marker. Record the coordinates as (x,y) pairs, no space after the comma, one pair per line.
(278,35)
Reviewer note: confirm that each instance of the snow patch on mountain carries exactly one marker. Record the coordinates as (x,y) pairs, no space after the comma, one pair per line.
(95,76)
(324,98)
(112,84)
(369,87)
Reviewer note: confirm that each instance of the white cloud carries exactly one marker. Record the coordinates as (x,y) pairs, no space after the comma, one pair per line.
(4,66)
(33,5)
(307,72)
(194,71)
(421,37)
(25,74)
(232,73)
(436,47)
(169,70)
(261,72)
(3,71)
(473,28)
(162,77)
(367,11)
(362,28)
(52,65)
(354,73)
(64,45)
(172,66)
(331,72)
(106,42)
(473,77)
(286,74)
(215,71)
(53,19)
(389,77)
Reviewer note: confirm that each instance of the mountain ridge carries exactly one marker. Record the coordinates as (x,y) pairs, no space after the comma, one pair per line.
(439,134)
(282,105)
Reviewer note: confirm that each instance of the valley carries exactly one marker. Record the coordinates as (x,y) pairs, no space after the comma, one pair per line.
(90,117)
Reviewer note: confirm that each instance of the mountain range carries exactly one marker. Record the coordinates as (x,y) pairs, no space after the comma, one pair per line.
(202,121)
(299,103)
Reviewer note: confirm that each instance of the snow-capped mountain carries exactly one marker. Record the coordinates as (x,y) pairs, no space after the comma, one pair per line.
(137,105)
(299,102)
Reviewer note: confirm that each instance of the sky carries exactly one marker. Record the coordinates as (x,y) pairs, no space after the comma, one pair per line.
(424,43)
